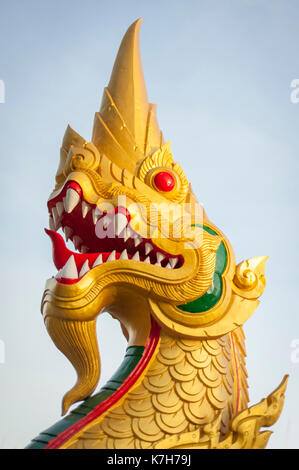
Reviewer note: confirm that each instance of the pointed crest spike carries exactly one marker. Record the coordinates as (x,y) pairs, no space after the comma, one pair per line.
(126,128)
(70,138)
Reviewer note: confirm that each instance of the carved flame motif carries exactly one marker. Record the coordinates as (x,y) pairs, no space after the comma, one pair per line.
(179,297)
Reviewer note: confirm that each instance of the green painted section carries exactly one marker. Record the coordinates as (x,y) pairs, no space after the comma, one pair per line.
(210,298)
(206,301)
(130,361)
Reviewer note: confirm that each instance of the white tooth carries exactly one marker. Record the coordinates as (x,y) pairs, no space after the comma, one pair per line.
(158,264)
(168,266)
(173,262)
(111,256)
(136,257)
(137,241)
(85,209)
(124,255)
(148,248)
(71,200)
(120,222)
(56,218)
(84,249)
(59,208)
(98,261)
(51,223)
(147,260)
(77,241)
(160,257)
(67,232)
(95,216)
(84,269)
(69,270)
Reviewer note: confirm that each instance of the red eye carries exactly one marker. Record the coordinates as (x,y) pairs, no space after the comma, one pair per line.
(164,181)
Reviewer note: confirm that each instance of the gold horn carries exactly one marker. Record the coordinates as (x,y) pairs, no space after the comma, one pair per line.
(126,128)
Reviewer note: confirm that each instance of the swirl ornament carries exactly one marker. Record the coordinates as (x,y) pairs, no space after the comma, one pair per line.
(245,278)
(84,157)
(249,280)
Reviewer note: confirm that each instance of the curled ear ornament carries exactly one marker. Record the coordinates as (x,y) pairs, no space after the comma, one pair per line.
(86,156)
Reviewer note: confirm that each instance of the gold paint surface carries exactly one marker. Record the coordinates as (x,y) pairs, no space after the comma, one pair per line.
(194,392)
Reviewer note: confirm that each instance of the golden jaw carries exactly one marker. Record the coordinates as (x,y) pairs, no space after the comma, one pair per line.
(115,274)
(106,244)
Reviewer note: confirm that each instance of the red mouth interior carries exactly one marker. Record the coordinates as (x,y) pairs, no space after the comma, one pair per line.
(82,228)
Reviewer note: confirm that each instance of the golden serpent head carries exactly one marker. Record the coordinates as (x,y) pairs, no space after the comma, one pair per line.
(135,224)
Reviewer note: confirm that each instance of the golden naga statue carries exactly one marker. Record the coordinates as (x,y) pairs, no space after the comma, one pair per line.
(147,253)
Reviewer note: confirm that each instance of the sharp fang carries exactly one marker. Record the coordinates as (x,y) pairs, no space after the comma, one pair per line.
(98,261)
(160,257)
(77,241)
(137,241)
(51,223)
(55,218)
(95,216)
(84,249)
(111,256)
(124,255)
(59,208)
(168,266)
(120,222)
(67,232)
(69,271)
(84,269)
(148,248)
(173,262)
(158,264)
(147,260)
(71,199)
(136,257)
(85,209)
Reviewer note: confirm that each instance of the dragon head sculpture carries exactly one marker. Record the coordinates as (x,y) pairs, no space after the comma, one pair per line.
(144,249)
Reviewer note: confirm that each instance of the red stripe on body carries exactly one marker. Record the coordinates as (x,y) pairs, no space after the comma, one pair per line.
(149,349)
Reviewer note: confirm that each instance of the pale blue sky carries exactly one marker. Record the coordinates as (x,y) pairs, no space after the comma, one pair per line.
(220,72)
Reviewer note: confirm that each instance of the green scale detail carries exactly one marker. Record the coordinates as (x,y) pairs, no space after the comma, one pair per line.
(130,361)
(212,296)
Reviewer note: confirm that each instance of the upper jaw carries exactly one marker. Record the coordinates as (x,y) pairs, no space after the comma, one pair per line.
(99,237)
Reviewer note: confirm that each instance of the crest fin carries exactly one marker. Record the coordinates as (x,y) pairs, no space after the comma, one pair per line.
(126,128)
(70,138)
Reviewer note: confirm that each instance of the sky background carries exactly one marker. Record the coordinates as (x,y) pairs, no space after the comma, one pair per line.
(220,72)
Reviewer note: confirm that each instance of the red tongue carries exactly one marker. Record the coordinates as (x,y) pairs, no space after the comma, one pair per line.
(61,253)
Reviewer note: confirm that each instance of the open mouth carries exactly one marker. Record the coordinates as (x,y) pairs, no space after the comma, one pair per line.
(98,237)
